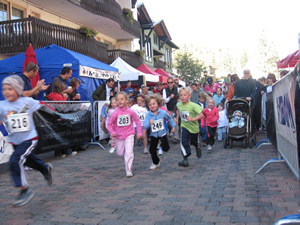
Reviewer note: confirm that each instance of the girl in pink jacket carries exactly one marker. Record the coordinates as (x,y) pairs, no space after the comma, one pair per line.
(211,116)
(120,126)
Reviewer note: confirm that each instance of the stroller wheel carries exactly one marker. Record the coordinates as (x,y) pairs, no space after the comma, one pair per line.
(245,143)
(225,143)
(230,143)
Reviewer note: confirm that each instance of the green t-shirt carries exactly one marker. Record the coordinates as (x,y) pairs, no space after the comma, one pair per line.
(191,109)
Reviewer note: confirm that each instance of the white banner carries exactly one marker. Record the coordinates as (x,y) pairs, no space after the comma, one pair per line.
(6,149)
(103,132)
(86,71)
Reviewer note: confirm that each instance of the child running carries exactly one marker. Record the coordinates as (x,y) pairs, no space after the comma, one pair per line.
(156,119)
(211,116)
(140,109)
(19,110)
(202,102)
(222,122)
(110,109)
(120,126)
(189,113)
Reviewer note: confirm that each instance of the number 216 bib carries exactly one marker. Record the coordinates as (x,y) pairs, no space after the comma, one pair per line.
(18,122)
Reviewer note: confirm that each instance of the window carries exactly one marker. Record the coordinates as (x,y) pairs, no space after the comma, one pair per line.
(3,12)
(17,14)
(148,51)
(155,39)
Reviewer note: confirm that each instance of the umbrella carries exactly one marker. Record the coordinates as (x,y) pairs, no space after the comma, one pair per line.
(30,56)
(289,61)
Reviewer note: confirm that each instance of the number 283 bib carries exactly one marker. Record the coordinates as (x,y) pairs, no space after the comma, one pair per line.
(18,122)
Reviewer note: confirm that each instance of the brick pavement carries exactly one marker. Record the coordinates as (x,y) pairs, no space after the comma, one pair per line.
(220,188)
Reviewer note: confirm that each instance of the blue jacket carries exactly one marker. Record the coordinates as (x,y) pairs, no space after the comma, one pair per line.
(161,115)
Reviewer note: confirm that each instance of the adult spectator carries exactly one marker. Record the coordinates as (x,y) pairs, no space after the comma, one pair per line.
(145,91)
(104,91)
(283,73)
(31,71)
(176,82)
(170,96)
(129,90)
(271,79)
(195,92)
(226,85)
(263,81)
(256,116)
(65,74)
(245,88)
(159,88)
(211,86)
(234,79)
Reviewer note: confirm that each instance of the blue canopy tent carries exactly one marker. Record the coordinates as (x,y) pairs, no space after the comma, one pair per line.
(52,59)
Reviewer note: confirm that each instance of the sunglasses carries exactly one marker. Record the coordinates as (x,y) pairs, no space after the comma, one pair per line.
(170,82)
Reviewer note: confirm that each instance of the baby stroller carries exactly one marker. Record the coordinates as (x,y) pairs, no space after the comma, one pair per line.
(239,123)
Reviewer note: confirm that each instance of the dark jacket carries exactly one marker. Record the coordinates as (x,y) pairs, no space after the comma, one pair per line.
(245,88)
(100,93)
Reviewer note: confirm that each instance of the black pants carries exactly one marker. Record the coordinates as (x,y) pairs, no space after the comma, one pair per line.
(164,144)
(211,139)
(257,116)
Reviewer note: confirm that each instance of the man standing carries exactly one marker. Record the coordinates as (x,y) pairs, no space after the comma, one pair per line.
(65,74)
(104,91)
(159,88)
(129,90)
(194,95)
(30,72)
(170,96)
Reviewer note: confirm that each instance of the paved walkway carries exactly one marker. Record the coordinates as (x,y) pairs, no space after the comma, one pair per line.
(220,188)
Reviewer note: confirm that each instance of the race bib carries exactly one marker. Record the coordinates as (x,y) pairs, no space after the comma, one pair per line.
(18,122)
(141,116)
(123,121)
(184,115)
(157,125)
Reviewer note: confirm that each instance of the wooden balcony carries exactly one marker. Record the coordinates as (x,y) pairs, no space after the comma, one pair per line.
(15,36)
(112,10)
(130,57)
(159,64)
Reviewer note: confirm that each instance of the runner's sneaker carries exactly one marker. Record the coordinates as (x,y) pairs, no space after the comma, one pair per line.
(24,197)
(112,150)
(209,148)
(129,174)
(160,151)
(48,176)
(153,166)
(184,163)
(73,153)
(146,151)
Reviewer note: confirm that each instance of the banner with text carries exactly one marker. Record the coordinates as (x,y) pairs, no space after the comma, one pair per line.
(86,71)
(6,149)
(101,117)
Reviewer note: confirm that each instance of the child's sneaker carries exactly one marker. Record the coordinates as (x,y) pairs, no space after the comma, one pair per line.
(112,150)
(203,144)
(129,174)
(48,176)
(73,153)
(160,151)
(153,166)
(139,143)
(209,148)
(146,151)
(24,197)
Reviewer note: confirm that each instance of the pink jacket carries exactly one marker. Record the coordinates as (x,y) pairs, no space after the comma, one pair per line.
(116,123)
(211,117)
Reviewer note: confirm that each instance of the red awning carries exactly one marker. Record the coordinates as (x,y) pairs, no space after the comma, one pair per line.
(162,72)
(145,69)
(289,61)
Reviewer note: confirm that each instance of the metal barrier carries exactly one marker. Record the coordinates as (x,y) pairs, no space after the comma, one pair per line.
(286,107)
(290,219)
(73,106)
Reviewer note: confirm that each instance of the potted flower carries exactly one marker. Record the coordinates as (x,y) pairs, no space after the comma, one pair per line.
(89,32)
(128,14)
(141,53)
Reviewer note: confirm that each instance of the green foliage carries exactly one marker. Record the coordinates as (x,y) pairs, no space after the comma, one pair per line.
(128,14)
(188,68)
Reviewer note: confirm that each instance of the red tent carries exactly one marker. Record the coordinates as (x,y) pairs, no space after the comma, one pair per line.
(163,75)
(145,69)
(289,61)
(30,56)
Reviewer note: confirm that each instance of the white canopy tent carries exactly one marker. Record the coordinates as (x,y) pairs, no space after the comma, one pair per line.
(128,72)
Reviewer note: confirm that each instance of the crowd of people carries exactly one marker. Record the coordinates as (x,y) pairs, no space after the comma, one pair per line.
(183,114)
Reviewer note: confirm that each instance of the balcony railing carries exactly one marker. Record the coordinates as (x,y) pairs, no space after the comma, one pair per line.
(15,36)
(130,57)
(159,64)
(112,10)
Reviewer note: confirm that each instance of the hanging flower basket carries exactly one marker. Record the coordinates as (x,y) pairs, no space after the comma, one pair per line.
(89,32)
(128,14)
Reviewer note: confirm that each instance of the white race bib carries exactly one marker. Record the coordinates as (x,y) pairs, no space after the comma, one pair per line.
(18,122)
(142,116)
(157,125)
(184,115)
(123,121)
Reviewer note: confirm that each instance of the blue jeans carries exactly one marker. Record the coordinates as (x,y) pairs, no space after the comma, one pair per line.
(221,133)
